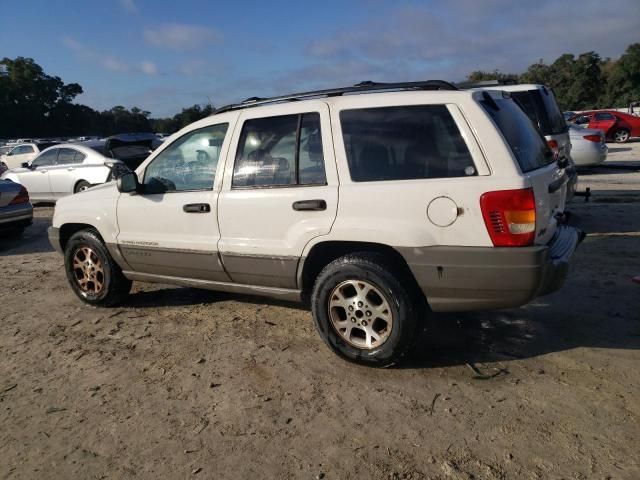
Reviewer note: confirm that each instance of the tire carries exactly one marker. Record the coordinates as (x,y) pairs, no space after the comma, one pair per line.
(621,135)
(387,287)
(91,271)
(81,186)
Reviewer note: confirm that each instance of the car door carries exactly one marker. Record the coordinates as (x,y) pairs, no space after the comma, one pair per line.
(280,191)
(603,121)
(36,177)
(170,228)
(62,175)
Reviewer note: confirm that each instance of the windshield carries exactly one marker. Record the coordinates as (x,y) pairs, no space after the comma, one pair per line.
(4,150)
(528,146)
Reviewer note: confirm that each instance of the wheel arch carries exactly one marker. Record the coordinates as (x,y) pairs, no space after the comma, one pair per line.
(67,230)
(323,253)
(77,182)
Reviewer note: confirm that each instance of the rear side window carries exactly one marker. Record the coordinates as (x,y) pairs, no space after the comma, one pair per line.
(68,156)
(404,143)
(604,116)
(280,151)
(528,146)
(541,107)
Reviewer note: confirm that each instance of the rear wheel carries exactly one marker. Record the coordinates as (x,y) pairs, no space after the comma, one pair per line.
(92,273)
(364,311)
(621,135)
(81,186)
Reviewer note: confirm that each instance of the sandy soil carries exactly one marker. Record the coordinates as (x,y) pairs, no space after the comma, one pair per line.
(182,383)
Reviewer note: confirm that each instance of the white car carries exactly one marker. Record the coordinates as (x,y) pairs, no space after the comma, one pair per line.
(62,170)
(588,146)
(23,153)
(374,201)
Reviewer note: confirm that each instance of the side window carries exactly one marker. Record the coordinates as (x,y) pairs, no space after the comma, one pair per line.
(604,116)
(582,119)
(280,151)
(26,149)
(68,156)
(189,163)
(404,143)
(46,159)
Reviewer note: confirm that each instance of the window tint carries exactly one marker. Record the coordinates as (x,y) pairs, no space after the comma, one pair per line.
(68,156)
(189,163)
(528,146)
(46,158)
(542,109)
(604,116)
(280,151)
(404,143)
(26,149)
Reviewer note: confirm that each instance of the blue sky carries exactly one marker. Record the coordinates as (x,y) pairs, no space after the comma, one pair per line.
(165,55)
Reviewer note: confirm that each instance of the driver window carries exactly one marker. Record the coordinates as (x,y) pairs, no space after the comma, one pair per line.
(189,163)
(46,158)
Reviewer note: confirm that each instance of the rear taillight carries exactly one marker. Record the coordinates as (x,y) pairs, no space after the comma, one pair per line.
(593,138)
(510,217)
(553,145)
(22,197)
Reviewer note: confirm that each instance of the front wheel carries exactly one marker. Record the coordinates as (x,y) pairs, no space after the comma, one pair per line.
(92,273)
(621,135)
(363,310)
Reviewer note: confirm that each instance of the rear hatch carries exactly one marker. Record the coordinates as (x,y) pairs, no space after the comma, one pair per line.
(535,159)
(131,148)
(541,107)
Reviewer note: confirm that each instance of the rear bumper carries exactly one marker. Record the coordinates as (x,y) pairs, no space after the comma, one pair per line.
(484,278)
(16,216)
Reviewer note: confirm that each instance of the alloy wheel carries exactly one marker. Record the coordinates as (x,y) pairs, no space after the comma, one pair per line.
(88,270)
(360,313)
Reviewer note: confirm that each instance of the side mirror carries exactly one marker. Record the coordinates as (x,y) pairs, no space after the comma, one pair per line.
(25,165)
(128,183)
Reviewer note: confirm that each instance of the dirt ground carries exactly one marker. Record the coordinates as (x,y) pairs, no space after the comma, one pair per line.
(183,383)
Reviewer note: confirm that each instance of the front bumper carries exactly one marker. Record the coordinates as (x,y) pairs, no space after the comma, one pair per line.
(456,279)
(54,238)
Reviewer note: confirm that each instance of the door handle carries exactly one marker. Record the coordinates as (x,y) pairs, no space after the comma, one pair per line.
(312,205)
(44,171)
(197,208)
(70,169)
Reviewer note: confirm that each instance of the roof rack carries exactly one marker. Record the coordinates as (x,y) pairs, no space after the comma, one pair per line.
(366,86)
(486,83)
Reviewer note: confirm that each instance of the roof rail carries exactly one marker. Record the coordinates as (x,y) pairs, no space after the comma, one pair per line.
(366,86)
(486,83)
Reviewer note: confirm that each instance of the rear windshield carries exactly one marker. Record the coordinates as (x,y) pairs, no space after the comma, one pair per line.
(528,146)
(541,107)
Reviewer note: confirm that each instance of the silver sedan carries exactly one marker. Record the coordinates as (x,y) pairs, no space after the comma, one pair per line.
(16,211)
(63,170)
(588,147)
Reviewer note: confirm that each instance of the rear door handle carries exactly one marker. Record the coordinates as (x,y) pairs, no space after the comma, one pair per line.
(313,205)
(197,208)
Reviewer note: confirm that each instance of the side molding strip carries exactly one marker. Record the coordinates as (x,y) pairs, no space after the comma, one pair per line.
(274,292)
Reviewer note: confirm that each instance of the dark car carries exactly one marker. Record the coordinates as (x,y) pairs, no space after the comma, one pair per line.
(16,211)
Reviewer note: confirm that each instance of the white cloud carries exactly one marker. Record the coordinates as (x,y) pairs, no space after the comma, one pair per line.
(178,36)
(108,61)
(456,38)
(148,67)
(129,6)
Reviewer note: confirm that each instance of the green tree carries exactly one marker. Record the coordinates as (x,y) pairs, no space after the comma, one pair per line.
(623,79)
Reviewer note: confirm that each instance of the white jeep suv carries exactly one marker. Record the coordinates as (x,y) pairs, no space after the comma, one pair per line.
(378,202)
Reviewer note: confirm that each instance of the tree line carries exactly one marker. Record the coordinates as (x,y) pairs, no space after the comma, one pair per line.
(35,104)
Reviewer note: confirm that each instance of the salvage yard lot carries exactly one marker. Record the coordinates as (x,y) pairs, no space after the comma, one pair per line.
(184,383)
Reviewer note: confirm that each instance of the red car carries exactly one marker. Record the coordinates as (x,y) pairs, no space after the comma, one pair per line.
(617,126)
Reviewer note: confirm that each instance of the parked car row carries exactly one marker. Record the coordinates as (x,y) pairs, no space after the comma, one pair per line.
(617,126)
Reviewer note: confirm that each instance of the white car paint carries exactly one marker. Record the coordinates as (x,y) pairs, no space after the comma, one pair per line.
(252,221)
(56,172)
(21,153)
